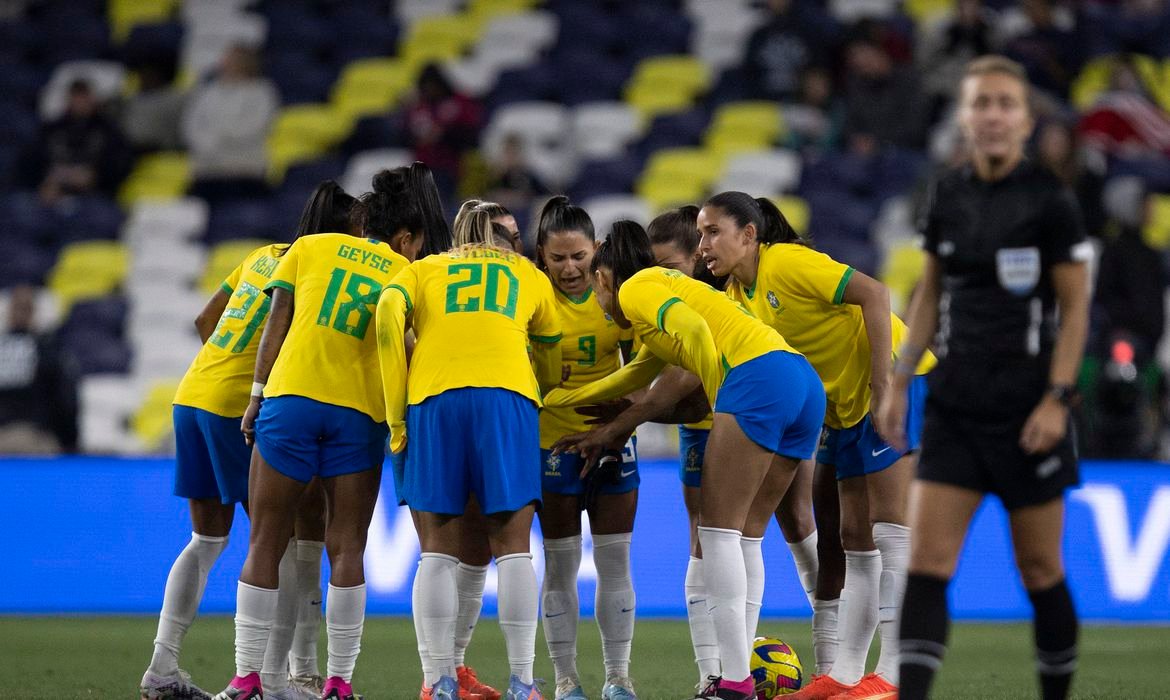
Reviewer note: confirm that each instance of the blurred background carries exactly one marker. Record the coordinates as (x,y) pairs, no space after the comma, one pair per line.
(147,145)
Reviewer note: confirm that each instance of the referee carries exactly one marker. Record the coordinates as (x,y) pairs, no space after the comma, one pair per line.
(1005,258)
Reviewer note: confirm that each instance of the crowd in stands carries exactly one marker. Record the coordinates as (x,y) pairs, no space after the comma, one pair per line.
(864,93)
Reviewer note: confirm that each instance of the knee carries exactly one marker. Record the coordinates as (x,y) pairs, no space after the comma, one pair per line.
(856,536)
(796,524)
(1039,571)
(611,556)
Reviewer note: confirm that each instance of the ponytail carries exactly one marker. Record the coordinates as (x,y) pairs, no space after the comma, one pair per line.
(677,227)
(327,211)
(473,227)
(771,225)
(436,233)
(626,251)
(405,198)
(559,214)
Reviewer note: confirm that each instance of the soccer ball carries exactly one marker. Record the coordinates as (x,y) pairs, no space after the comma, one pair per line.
(776,668)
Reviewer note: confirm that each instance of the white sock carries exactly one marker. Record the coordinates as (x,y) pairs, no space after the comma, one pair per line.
(424,656)
(274,674)
(614,602)
(469,585)
(439,606)
(804,555)
(824,633)
(560,602)
(753,564)
(345,615)
(518,602)
(255,613)
(726,577)
(702,628)
(302,659)
(859,619)
(181,599)
(893,541)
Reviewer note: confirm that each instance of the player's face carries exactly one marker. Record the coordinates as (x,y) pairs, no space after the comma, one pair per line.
(723,243)
(669,255)
(509,222)
(995,116)
(567,256)
(606,297)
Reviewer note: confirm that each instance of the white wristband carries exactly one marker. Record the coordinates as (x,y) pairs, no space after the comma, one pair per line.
(258,389)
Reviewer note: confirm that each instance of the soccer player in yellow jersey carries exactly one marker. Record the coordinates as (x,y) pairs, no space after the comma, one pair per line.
(592,346)
(466,414)
(211,461)
(767,400)
(317,410)
(840,320)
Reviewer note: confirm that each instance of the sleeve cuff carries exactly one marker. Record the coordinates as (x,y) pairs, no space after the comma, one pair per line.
(839,295)
(286,286)
(662,311)
(546,338)
(227,288)
(405,295)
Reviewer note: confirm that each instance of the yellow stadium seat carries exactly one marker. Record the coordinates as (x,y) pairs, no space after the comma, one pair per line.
(901,271)
(651,101)
(489,9)
(224,258)
(728,144)
(673,71)
(756,117)
(124,15)
(418,54)
(926,11)
(1155,76)
(795,209)
(1156,232)
(685,163)
(386,79)
(303,132)
(663,193)
(164,175)
(1091,82)
(151,423)
(88,270)
(462,27)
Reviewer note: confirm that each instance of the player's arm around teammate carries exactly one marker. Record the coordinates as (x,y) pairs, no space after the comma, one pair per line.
(997,420)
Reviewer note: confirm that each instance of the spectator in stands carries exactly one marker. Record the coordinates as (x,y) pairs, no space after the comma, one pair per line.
(38,386)
(1058,149)
(1048,48)
(80,152)
(512,182)
(945,47)
(796,35)
(815,120)
(151,117)
(226,124)
(883,102)
(1125,121)
(441,124)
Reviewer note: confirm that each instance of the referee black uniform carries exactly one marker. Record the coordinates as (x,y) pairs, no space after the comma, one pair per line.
(996,243)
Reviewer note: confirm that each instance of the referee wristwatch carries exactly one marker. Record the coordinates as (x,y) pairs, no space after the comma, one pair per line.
(1065,394)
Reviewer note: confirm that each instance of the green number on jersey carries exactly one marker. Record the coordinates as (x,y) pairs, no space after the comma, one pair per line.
(489,293)
(363,293)
(249,293)
(587,344)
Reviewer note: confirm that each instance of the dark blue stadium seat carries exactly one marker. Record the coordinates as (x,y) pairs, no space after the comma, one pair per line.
(300,77)
(672,130)
(611,176)
(362,30)
(606,74)
(106,315)
(25,262)
(295,26)
(306,176)
(245,218)
(88,218)
(28,220)
(68,33)
(152,42)
(537,82)
(375,132)
(648,30)
(18,121)
(838,215)
(860,255)
(97,352)
(17,39)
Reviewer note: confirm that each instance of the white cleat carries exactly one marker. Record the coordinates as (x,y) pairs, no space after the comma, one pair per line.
(177,686)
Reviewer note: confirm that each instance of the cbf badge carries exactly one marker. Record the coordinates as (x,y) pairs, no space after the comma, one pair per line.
(1018,269)
(772,300)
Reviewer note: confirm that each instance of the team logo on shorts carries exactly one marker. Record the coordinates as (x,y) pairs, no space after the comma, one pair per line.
(694,460)
(553,462)
(772,300)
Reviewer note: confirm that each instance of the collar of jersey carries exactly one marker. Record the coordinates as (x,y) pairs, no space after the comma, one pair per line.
(576,300)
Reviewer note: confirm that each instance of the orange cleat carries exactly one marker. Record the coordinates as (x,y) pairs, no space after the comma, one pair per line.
(871,687)
(821,688)
(470,684)
(425,694)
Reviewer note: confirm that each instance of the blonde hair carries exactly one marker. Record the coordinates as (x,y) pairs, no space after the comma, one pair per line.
(474,227)
(995,64)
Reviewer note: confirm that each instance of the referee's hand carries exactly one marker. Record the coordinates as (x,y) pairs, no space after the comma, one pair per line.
(1045,428)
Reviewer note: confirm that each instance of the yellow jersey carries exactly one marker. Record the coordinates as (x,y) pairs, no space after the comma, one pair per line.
(799,292)
(473,311)
(591,348)
(330,354)
(219,379)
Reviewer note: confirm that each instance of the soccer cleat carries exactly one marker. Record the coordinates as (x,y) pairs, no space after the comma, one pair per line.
(821,688)
(618,689)
(446,688)
(708,690)
(470,685)
(518,690)
(177,686)
(337,689)
(292,692)
(245,688)
(872,687)
(425,694)
(313,684)
(718,687)
(569,688)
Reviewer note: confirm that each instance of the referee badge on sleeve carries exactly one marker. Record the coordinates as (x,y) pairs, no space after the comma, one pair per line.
(1018,269)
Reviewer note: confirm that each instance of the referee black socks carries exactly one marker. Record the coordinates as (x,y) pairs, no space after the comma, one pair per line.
(923,635)
(1055,631)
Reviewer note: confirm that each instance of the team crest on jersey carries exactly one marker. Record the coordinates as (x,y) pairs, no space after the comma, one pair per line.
(772,300)
(1018,269)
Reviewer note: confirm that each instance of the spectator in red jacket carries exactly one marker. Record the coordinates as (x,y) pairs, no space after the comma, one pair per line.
(441,124)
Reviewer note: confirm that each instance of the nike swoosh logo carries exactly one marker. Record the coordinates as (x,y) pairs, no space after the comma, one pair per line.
(696,602)
(626,609)
(556,614)
(875,453)
(628,473)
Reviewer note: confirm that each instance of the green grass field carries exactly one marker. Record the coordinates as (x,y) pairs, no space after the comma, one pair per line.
(103,657)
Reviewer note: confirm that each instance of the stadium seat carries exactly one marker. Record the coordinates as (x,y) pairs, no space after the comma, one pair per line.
(156,176)
(901,270)
(607,209)
(851,11)
(241,218)
(795,209)
(604,129)
(721,32)
(1156,231)
(759,118)
(546,131)
(439,37)
(124,15)
(303,132)
(763,173)
(151,423)
(696,164)
(178,219)
(535,30)
(210,31)
(409,11)
(104,77)
(1091,81)
(364,166)
(924,12)
(666,192)
(163,259)
(224,258)
(88,270)
(667,84)
(371,86)
(106,401)
(485,9)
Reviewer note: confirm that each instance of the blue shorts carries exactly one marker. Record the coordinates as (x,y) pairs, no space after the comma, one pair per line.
(562,473)
(858,450)
(211,457)
(778,401)
(692,445)
(302,438)
(398,469)
(477,440)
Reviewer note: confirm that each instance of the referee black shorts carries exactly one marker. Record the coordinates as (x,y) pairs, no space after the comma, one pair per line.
(983,453)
